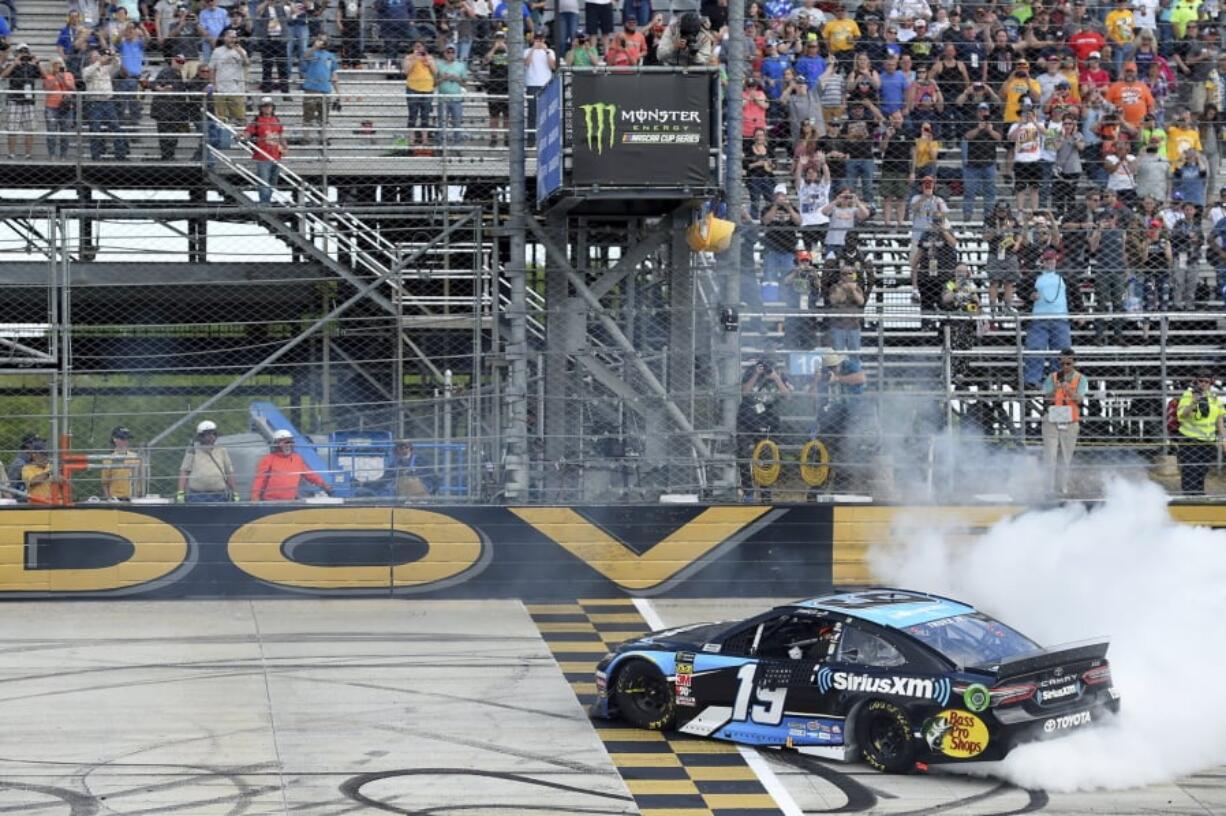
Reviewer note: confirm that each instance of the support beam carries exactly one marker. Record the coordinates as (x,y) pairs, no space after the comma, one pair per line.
(619,338)
(516,457)
(635,255)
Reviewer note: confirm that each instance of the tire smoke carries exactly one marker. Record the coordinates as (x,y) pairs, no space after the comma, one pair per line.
(1124,570)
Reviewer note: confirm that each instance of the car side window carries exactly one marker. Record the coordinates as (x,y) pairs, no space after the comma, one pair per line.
(866,649)
(796,638)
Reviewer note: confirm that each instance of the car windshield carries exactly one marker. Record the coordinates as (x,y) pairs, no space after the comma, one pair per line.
(972,640)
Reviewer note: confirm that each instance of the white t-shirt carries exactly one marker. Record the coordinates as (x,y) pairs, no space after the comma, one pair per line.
(812,197)
(1145,15)
(538,73)
(1029,143)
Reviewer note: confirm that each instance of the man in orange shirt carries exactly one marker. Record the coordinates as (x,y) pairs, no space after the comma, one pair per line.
(1131,97)
(279,473)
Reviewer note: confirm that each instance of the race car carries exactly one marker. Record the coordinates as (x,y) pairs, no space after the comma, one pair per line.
(903,679)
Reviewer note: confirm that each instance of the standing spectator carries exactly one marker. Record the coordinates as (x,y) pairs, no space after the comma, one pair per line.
(168,106)
(61,110)
(121,471)
(754,106)
(846,212)
(420,74)
(858,145)
(496,77)
(1027,138)
(1005,239)
(213,21)
(802,291)
(269,147)
(813,193)
(270,28)
(1066,170)
(598,19)
(979,169)
(1064,391)
(845,296)
(1107,242)
(1153,171)
(757,417)
(23,74)
(631,40)
(1191,178)
(297,34)
(186,39)
(131,50)
(583,52)
(394,26)
(893,87)
(927,153)
(228,64)
(1202,429)
(207,474)
(40,479)
(452,74)
(279,475)
(1049,330)
(897,153)
(804,105)
(961,297)
(1187,241)
(936,256)
(1131,96)
(1155,266)
(1194,59)
(759,172)
(925,207)
(779,222)
(540,62)
(349,29)
(73,41)
(319,82)
(100,105)
(1120,31)
(841,33)
(24,457)
(1121,167)
(164,13)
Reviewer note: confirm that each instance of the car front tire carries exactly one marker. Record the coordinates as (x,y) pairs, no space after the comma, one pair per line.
(644,697)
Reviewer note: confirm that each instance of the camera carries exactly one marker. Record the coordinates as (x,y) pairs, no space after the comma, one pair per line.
(765,366)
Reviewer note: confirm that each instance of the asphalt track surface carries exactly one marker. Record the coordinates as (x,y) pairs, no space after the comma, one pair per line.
(401,706)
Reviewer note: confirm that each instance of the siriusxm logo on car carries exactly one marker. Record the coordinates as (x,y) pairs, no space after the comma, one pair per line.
(919,687)
(1056,694)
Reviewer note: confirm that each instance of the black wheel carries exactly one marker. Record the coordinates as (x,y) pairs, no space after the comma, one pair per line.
(884,733)
(644,697)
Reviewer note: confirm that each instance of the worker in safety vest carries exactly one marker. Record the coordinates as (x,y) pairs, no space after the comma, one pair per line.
(1065,391)
(1202,428)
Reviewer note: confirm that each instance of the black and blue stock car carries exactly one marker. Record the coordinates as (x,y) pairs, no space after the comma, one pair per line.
(903,679)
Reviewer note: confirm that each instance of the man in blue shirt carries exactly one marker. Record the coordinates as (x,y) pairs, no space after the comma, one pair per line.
(893,89)
(213,21)
(773,66)
(319,66)
(811,64)
(131,50)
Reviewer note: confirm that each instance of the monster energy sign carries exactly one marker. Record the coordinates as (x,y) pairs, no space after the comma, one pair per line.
(640,129)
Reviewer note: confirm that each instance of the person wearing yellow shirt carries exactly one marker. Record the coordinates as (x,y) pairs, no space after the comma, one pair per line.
(1019,84)
(39,477)
(420,77)
(840,33)
(1182,13)
(120,472)
(1120,31)
(1201,432)
(1181,135)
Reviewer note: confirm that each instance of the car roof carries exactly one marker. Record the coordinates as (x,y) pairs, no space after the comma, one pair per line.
(885,606)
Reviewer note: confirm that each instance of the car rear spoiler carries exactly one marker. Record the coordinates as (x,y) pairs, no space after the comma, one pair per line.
(1062,655)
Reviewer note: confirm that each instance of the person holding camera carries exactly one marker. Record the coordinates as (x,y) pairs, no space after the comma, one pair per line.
(758,415)
(100,110)
(60,112)
(1202,428)
(686,42)
(186,38)
(229,63)
(961,297)
(319,84)
(1064,391)
(22,72)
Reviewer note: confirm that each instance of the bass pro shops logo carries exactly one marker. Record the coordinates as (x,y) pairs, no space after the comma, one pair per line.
(919,687)
(596,118)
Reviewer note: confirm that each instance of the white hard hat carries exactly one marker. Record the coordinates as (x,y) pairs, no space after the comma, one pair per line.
(206,425)
(277,436)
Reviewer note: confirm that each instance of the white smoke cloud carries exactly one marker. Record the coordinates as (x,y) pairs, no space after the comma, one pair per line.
(1122,569)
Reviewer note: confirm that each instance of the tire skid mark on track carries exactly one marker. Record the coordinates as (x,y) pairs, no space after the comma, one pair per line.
(665,772)
(860,797)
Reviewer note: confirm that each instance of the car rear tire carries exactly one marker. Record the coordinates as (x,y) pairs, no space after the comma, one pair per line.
(644,697)
(885,737)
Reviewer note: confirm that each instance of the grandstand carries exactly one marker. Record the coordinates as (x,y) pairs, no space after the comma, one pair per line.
(578,351)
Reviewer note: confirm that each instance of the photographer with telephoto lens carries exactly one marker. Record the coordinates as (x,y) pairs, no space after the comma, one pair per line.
(1202,428)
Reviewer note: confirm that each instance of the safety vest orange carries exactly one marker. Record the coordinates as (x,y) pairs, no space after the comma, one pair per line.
(1065,393)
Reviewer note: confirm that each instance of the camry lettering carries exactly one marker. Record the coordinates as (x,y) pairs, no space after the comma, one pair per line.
(919,687)
(1067,721)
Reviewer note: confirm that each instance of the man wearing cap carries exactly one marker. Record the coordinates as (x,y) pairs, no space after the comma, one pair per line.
(279,475)
(452,75)
(23,458)
(779,222)
(40,479)
(979,169)
(403,477)
(99,104)
(1194,59)
(838,389)
(1131,96)
(229,63)
(840,33)
(319,67)
(1202,430)
(268,140)
(23,74)
(207,474)
(1181,135)
(1088,42)
(121,470)
(1120,31)
(60,109)
(1020,85)
(1093,75)
(1064,391)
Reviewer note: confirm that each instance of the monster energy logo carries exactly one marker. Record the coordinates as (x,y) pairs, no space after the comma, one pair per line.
(599,111)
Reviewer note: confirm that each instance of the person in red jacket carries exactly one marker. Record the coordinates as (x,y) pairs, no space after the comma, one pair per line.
(269,147)
(279,473)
